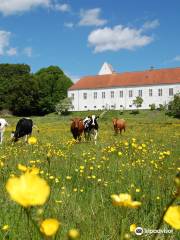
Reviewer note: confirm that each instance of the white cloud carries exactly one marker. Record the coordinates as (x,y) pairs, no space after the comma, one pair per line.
(8,7)
(151,24)
(28,51)
(117,38)
(12,52)
(69,25)
(91,17)
(4,41)
(62,7)
(176,59)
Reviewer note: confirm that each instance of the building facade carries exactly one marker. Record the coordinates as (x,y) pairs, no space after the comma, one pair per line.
(117,91)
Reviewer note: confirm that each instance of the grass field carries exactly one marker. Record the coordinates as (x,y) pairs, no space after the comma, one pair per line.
(82,177)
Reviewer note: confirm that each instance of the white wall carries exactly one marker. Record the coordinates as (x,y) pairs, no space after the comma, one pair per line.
(81,104)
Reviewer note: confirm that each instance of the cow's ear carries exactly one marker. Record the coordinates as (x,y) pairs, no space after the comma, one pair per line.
(71,119)
(80,119)
(97,117)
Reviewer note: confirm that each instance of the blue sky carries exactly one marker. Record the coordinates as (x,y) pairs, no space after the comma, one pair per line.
(79,35)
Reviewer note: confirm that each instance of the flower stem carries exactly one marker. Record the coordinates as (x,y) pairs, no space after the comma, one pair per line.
(163,214)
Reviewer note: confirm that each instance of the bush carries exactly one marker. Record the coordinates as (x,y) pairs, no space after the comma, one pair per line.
(136,111)
(174,106)
(162,107)
(63,107)
(152,106)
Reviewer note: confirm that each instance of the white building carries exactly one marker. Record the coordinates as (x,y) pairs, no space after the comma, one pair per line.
(111,90)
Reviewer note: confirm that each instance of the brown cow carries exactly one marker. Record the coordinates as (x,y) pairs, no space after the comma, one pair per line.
(77,128)
(119,125)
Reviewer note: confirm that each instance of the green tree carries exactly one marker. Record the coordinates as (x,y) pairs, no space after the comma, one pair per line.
(138,102)
(18,90)
(174,106)
(64,106)
(53,85)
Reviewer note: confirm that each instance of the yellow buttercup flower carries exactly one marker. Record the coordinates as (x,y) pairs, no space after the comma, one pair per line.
(73,234)
(22,167)
(5,227)
(49,226)
(172,217)
(32,140)
(125,200)
(133,227)
(28,190)
(34,170)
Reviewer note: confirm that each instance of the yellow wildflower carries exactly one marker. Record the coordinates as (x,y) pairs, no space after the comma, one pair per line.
(119,154)
(49,226)
(32,140)
(172,217)
(34,170)
(133,227)
(28,190)
(125,200)
(68,177)
(73,234)
(22,167)
(5,227)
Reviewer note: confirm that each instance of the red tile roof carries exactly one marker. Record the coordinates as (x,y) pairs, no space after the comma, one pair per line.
(148,77)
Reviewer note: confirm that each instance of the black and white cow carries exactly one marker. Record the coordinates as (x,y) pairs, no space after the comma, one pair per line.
(23,129)
(91,127)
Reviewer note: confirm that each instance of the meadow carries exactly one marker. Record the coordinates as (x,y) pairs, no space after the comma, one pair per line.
(143,162)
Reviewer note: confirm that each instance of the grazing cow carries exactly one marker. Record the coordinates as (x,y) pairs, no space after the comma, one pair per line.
(23,128)
(91,127)
(3,125)
(77,128)
(119,125)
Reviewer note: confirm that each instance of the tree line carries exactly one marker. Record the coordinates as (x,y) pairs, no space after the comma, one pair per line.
(25,93)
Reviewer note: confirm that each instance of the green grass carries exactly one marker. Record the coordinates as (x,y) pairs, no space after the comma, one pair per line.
(90,209)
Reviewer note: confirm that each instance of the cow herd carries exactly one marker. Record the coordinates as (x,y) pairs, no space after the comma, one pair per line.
(79,126)
(88,126)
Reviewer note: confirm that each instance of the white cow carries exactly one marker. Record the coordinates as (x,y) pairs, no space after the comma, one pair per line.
(3,125)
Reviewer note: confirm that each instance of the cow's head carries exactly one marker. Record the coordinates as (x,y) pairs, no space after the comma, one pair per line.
(14,137)
(76,122)
(94,120)
(114,121)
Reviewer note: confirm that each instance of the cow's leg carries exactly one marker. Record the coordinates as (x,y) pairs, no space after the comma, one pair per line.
(26,138)
(1,137)
(79,138)
(95,135)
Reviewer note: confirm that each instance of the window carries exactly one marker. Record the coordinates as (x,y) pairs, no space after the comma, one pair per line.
(121,94)
(103,95)
(112,94)
(160,92)
(150,92)
(170,91)
(113,106)
(85,106)
(130,93)
(72,96)
(94,106)
(121,106)
(130,105)
(103,106)
(95,95)
(85,95)
(140,93)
